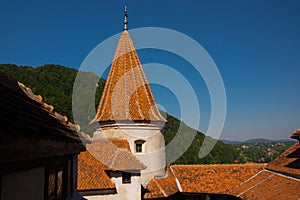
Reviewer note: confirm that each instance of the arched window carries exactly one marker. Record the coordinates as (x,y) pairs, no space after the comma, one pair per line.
(139,146)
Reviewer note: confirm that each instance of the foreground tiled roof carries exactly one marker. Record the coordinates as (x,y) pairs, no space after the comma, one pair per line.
(127,94)
(218,179)
(288,162)
(160,187)
(267,185)
(23,112)
(103,155)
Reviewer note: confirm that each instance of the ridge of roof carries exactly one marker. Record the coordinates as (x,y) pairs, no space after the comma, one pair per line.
(127,95)
(176,179)
(256,184)
(250,178)
(281,174)
(279,179)
(160,187)
(48,107)
(269,185)
(36,115)
(154,191)
(220,179)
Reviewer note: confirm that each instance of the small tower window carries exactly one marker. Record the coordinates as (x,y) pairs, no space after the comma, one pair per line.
(139,146)
(126,177)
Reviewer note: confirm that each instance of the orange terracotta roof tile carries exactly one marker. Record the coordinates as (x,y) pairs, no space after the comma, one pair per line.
(121,143)
(127,94)
(280,179)
(159,187)
(269,185)
(288,162)
(153,190)
(219,179)
(103,155)
(296,134)
(91,173)
(116,158)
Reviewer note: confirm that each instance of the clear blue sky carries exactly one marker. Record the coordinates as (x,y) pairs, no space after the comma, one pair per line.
(255,44)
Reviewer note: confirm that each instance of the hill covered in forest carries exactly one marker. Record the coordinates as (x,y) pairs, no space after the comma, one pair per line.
(55,84)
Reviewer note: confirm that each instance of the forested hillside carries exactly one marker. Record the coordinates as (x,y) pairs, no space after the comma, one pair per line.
(55,84)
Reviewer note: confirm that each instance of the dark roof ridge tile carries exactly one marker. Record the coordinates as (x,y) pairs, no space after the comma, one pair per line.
(48,107)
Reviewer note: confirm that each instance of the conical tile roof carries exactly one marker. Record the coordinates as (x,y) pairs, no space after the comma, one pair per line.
(127,95)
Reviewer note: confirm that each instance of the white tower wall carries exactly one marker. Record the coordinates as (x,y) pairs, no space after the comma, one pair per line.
(153,148)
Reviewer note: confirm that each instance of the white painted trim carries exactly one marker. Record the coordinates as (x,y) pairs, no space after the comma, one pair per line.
(280,174)
(177,181)
(251,177)
(265,179)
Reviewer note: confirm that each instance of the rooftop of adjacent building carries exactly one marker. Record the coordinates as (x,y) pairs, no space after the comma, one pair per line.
(279,178)
(248,181)
(217,178)
(104,155)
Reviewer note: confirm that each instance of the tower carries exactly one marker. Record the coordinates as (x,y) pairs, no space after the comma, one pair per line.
(127,109)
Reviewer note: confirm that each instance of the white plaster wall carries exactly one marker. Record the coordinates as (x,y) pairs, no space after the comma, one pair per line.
(25,185)
(153,155)
(103,197)
(128,191)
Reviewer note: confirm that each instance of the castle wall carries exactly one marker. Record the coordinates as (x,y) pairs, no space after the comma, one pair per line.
(153,149)
(127,191)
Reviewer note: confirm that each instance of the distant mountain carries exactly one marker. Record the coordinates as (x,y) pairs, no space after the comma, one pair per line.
(263,140)
(231,142)
(256,140)
(55,84)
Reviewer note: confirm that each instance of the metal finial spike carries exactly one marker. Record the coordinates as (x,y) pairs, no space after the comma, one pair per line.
(125,18)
